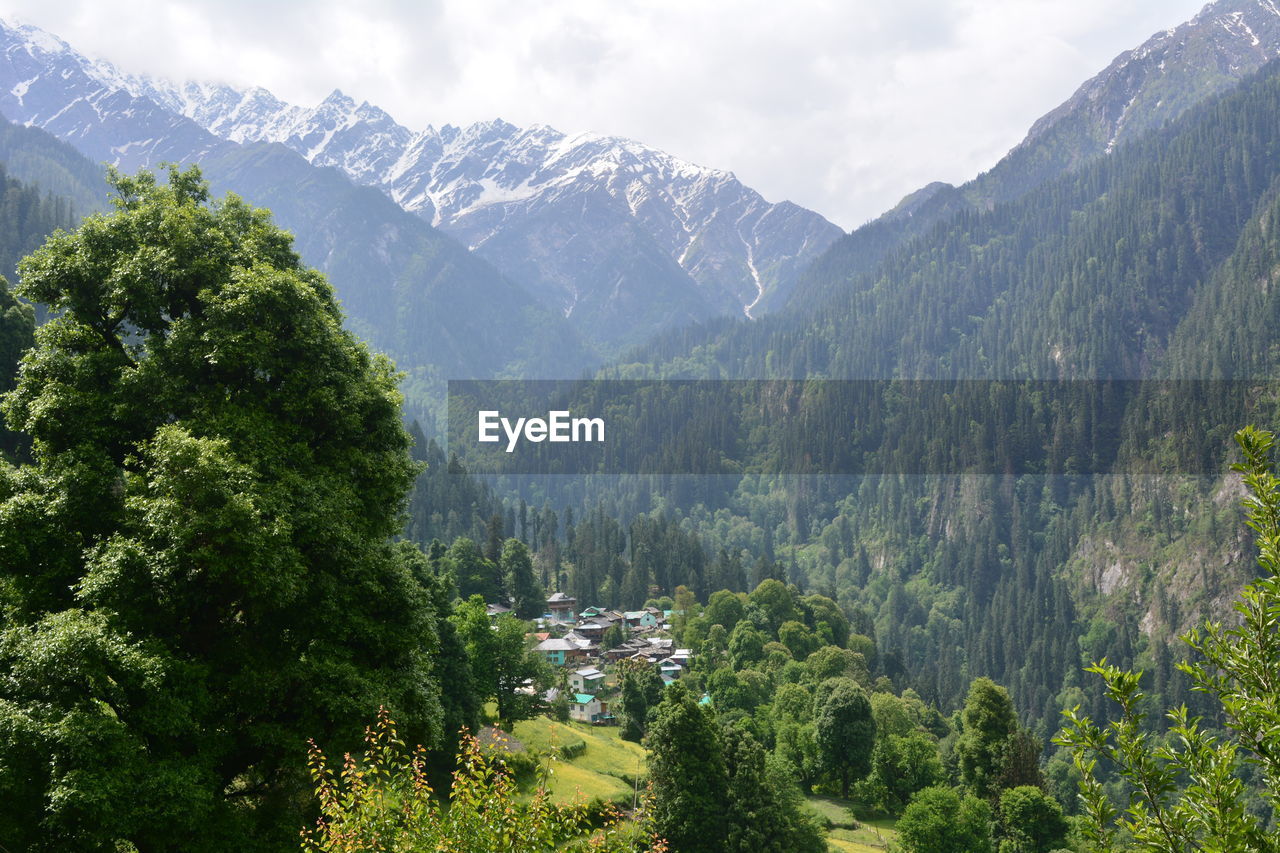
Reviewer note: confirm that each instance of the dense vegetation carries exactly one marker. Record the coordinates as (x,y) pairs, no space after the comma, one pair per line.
(206,475)
(196,569)
(1155,262)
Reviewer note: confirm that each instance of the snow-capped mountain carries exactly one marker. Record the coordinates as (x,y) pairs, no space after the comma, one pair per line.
(1140,90)
(552,210)
(410,290)
(46,84)
(622,239)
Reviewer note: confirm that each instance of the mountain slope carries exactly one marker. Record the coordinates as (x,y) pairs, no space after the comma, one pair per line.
(1158,260)
(410,290)
(1138,92)
(684,242)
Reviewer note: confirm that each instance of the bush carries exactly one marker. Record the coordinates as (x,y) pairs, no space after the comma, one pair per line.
(382,801)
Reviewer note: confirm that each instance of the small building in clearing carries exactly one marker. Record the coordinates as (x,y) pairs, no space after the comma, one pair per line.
(586,708)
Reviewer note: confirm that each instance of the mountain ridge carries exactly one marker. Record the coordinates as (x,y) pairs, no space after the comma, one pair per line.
(483,181)
(395,286)
(1138,91)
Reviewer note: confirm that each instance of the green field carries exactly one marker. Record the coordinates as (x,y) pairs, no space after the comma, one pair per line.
(602,766)
(848,835)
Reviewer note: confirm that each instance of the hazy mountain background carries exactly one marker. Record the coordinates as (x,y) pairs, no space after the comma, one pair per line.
(1134,233)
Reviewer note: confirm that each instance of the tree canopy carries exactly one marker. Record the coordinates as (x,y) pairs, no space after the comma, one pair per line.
(196,571)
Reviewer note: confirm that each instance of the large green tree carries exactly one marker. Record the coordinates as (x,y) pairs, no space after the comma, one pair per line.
(504,666)
(516,568)
(901,765)
(845,732)
(687,772)
(990,723)
(641,691)
(765,808)
(1031,821)
(196,571)
(939,820)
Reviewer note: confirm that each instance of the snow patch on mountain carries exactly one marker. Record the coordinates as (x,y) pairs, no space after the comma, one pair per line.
(599,226)
(491,177)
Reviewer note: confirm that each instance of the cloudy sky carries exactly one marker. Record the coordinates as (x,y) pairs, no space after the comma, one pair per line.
(843,106)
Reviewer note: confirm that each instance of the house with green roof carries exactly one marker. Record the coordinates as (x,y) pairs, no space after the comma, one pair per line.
(586,708)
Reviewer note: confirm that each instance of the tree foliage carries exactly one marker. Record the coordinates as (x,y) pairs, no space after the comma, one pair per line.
(504,666)
(687,771)
(1031,821)
(990,721)
(196,570)
(766,813)
(1188,793)
(845,732)
(939,820)
(641,692)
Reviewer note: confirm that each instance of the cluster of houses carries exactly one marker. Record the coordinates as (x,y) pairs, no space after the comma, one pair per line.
(579,645)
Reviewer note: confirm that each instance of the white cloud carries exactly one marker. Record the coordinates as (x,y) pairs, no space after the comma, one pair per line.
(841,106)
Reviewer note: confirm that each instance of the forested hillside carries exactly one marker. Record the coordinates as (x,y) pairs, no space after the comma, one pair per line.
(1151,263)
(27,216)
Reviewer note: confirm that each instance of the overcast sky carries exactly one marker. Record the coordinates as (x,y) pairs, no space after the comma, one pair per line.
(843,106)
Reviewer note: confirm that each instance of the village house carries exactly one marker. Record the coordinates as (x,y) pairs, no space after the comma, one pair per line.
(641,619)
(558,652)
(586,680)
(588,709)
(586,645)
(628,649)
(560,607)
(593,628)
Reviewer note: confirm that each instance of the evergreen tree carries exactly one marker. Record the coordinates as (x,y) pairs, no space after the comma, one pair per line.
(687,772)
(527,598)
(766,813)
(641,691)
(989,724)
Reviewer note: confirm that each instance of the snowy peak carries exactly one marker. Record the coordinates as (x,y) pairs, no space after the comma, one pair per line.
(520,196)
(624,239)
(1174,69)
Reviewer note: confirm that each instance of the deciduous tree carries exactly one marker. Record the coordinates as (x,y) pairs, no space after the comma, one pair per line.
(197,570)
(938,820)
(845,732)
